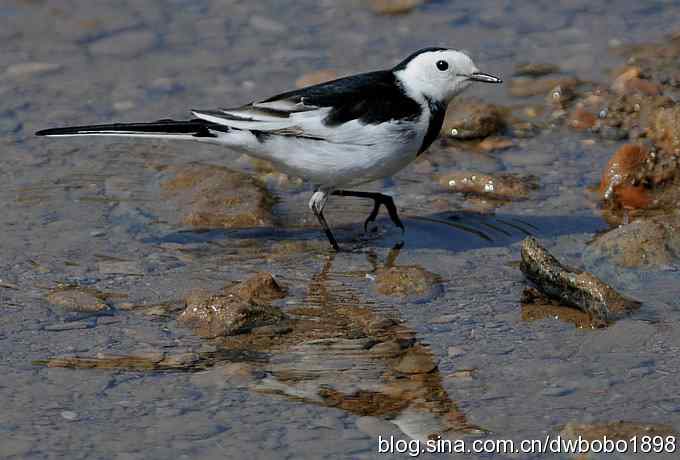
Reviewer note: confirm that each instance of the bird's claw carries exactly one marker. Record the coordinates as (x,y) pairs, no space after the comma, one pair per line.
(372,216)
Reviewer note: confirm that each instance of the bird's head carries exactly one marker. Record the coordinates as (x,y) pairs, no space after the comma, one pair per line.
(439,74)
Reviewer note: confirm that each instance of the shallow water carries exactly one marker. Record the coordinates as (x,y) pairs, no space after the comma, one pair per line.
(71,205)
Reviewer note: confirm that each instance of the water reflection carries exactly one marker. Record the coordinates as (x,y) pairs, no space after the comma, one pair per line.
(364,362)
(333,350)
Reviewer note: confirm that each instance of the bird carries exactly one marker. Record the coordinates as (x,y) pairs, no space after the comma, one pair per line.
(336,135)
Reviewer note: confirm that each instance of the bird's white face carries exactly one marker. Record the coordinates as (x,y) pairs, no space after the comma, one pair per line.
(440,75)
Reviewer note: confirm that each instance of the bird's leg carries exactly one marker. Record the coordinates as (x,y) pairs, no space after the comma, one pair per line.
(378,199)
(316,204)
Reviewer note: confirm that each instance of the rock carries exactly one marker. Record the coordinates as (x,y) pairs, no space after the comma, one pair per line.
(498,187)
(664,129)
(621,183)
(29,69)
(77,300)
(493,143)
(387,349)
(578,289)
(101,361)
(242,308)
(221,315)
(535,69)
(629,81)
(527,87)
(472,120)
(216,197)
(124,45)
(314,78)
(582,119)
(404,281)
(120,267)
(416,360)
(561,95)
(652,242)
(642,86)
(261,288)
(394,6)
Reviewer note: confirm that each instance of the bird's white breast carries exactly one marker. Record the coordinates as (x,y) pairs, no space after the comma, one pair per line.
(348,154)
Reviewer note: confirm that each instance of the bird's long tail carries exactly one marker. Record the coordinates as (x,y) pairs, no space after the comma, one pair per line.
(192,129)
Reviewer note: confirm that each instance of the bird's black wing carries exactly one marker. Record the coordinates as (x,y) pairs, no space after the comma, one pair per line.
(371,98)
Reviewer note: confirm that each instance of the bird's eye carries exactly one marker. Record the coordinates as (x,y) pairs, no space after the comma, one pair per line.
(442,65)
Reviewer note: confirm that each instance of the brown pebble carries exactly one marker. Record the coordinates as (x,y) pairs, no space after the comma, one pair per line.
(627,74)
(641,86)
(493,143)
(582,119)
(619,185)
(472,120)
(498,186)
(405,280)
(664,128)
(629,81)
(259,288)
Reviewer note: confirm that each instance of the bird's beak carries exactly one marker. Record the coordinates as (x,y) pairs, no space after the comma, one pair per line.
(485,78)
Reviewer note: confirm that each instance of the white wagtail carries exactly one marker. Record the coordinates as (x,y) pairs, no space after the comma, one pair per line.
(337,134)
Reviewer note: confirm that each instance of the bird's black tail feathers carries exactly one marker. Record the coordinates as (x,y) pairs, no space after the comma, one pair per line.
(160,128)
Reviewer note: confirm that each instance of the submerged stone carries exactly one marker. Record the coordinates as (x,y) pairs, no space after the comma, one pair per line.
(77,300)
(404,281)
(497,186)
(416,360)
(652,242)
(216,197)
